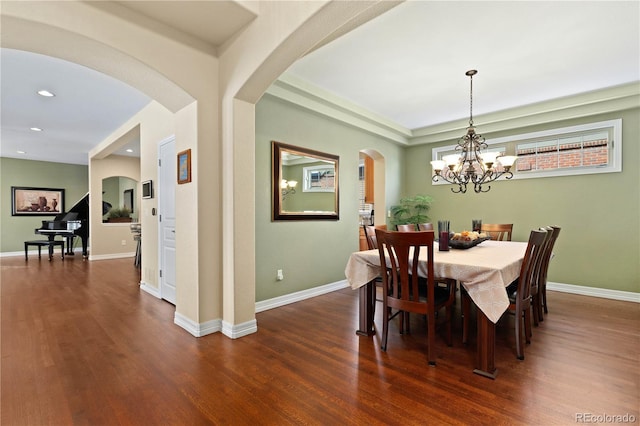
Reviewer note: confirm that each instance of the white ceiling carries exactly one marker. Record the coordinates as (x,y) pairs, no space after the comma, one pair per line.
(406,66)
(87,107)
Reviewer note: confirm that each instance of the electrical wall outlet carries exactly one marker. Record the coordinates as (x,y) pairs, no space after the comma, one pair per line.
(279,275)
(124,242)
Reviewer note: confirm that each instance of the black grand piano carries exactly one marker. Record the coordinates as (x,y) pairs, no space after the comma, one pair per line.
(70,224)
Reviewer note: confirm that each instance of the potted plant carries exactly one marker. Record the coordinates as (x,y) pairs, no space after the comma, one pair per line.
(116,215)
(412,210)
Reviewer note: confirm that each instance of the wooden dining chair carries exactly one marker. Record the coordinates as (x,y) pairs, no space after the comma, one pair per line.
(425,226)
(520,290)
(540,300)
(405,291)
(372,244)
(535,281)
(519,293)
(498,231)
(429,227)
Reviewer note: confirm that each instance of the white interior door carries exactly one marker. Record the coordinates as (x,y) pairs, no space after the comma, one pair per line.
(167,172)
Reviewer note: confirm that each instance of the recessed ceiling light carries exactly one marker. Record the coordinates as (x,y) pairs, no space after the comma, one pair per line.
(35,129)
(46,93)
(21,152)
(129,150)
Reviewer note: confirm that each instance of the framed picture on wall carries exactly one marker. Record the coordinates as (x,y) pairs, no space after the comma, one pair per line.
(147,189)
(30,201)
(184,166)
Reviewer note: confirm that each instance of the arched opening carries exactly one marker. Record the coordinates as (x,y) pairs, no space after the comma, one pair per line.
(375,184)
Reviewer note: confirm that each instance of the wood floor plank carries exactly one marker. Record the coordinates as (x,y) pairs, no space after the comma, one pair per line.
(81,344)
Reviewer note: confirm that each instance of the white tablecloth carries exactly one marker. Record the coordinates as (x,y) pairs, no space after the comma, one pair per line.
(484,270)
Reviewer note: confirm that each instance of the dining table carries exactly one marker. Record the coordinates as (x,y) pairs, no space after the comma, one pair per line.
(484,270)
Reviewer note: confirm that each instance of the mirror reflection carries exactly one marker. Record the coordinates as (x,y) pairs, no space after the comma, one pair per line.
(119,199)
(305,183)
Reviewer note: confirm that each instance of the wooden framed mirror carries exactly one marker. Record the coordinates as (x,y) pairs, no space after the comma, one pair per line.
(304,183)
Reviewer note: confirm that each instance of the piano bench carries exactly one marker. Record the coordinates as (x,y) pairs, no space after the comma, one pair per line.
(42,243)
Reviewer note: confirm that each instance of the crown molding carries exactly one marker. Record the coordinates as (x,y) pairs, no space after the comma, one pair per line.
(305,95)
(611,99)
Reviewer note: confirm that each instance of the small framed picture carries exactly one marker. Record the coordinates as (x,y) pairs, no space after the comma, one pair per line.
(184,166)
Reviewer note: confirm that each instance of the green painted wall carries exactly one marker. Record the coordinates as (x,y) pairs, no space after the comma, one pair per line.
(14,172)
(310,253)
(599,245)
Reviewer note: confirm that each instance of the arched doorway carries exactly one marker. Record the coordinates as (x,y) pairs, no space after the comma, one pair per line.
(374,184)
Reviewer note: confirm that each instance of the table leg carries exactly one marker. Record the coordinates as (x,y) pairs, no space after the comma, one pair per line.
(485,360)
(366,296)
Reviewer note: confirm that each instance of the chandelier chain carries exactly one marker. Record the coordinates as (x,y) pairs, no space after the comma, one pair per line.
(471,101)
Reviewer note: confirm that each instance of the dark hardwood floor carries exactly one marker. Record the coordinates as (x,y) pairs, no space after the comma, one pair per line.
(83,345)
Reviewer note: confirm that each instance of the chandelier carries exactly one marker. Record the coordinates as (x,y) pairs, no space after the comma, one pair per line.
(469,165)
(287,187)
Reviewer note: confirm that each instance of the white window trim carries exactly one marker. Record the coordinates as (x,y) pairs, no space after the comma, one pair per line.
(306,172)
(614,166)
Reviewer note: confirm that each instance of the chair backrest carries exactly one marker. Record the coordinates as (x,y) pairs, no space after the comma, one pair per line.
(498,231)
(406,228)
(370,235)
(401,280)
(532,257)
(537,273)
(425,226)
(553,231)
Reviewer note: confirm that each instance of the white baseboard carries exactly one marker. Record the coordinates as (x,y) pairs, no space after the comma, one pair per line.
(232,331)
(604,293)
(111,256)
(149,289)
(238,330)
(76,251)
(35,252)
(286,299)
(197,329)
(235,331)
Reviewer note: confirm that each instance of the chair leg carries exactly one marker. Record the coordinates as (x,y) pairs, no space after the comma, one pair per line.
(538,306)
(519,343)
(466,312)
(431,332)
(543,292)
(449,326)
(385,327)
(536,313)
(527,325)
